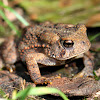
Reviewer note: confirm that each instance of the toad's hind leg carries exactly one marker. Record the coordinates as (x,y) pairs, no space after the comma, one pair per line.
(9,53)
(88,69)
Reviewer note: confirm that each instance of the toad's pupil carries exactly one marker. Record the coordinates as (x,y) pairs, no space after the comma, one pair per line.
(68,43)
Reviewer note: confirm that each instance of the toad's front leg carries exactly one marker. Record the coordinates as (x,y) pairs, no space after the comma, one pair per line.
(33,69)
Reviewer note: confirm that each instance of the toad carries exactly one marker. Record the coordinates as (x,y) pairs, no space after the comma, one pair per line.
(48,44)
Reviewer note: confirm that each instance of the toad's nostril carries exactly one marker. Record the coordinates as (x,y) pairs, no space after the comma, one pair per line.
(68,43)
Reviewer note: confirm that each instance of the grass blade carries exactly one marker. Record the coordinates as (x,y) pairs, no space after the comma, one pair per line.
(39,91)
(2,94)
(95,76)
(11,25)
(95,36)
(16,14)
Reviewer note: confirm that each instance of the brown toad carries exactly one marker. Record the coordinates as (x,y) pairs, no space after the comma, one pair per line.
(48,44)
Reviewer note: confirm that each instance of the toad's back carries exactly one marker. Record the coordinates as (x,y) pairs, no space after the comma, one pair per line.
(59,41)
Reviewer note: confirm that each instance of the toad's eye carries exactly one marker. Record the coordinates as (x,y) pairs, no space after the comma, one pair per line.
(68,43)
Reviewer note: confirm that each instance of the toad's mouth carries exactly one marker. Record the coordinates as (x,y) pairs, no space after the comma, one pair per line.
(75,55)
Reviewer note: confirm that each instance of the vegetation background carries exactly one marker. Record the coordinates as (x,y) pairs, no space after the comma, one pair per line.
(57,11)
(18,14)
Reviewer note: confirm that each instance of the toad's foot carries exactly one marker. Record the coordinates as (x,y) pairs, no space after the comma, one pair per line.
(10,67)
(42,80)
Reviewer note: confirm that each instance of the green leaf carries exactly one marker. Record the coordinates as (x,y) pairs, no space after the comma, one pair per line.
(22,94)
(39,91)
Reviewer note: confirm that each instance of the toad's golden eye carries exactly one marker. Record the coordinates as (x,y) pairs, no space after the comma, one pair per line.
(68,43)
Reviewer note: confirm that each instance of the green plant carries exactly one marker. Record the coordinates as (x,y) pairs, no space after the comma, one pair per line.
(37,91)
(11,25)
